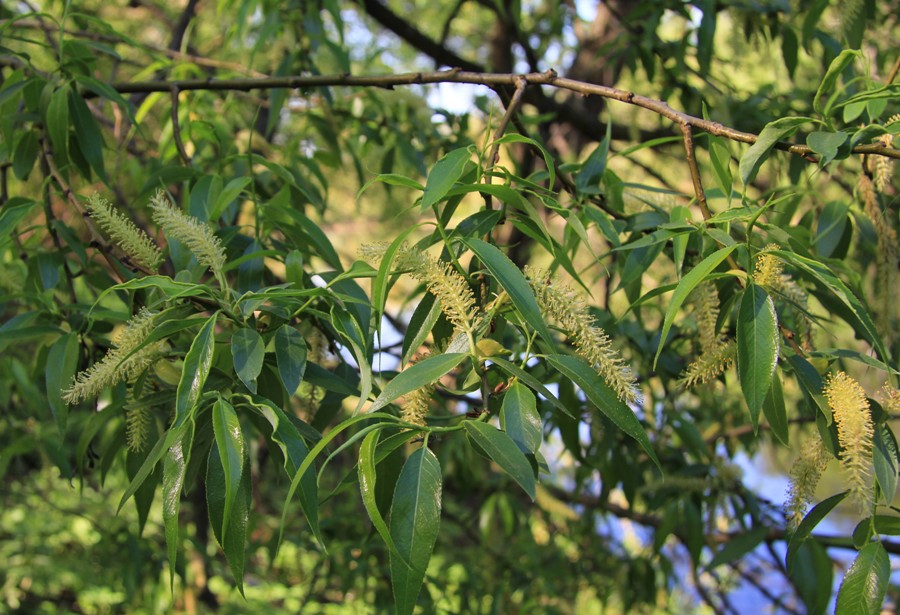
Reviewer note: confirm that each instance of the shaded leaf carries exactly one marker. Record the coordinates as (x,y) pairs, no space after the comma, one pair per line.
(290,354)
(504,451)
(248,352)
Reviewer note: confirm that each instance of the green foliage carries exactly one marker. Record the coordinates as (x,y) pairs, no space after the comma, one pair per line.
(555,323)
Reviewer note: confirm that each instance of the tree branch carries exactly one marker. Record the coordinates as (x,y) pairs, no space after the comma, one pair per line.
(493,80)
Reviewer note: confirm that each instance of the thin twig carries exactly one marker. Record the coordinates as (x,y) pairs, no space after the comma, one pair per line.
(691,155)
(492,80)
(176,128)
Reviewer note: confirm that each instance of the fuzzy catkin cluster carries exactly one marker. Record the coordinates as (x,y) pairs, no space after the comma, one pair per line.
(133,241)
(194,234)
(122,363)
(571,312)
(717,353)
(805,475)
(850,409)
(768,274)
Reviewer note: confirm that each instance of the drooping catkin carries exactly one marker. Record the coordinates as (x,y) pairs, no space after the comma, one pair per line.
(887,260)
(717,353)
(133,241)
(768,274)
(805,475)
(850,409)
(559,302)
(194,234)
(121,363)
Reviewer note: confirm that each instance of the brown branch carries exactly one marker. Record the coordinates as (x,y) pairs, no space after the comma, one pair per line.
(691,157)
(492,80)
(511,109)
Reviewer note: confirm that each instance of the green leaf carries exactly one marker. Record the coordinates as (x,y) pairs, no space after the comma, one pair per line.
(833,222)
(688,283)
(770,135)
(248,352)
(295,452)
(367,478)
(58,122)
(776,412)
(156,453)
(87,132)
(234,539)
(174,468)
(290,354)
(417,376)
(738,547)
(826,144)
(230,442)
(11,214)
(864,586)
(757,348)
(884,458)
(197,363)
(504,451)
(519,418)
(26,153)
(62,363)
(824,276)
(587,180)
(514,283)
(421,323)
(415,521)
(443,175)
(809,523)
(841,62)
(514,370)
(599,393)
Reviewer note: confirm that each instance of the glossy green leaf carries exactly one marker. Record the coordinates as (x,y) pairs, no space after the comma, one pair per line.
(809,523)
(230,442)
(295,452)
(174,467)
(514,283)
(757,348)
(415,521)
(841,62)
(865,585)
(58,122)
(25,154)
(290,354)
(775,411)
(248,351)
(599,393)
(884,459)
(196,368)
(688,283)
(519,418)
(443,175)
(421,323)
(417,376)
(367,478)
(836,286)
(87,132)
(62,363)
(504,451)
(234,538)
(758,152)
(159,449)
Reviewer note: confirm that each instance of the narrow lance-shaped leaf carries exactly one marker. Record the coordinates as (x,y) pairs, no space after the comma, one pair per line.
(416,376)
(688,283)
(174,468)
(604,398)
(230,442)
(197,363)
(234,538)
(504,451)
(62,362)
(443,175)
(864,587)
(248,352)
(519,418)
(415,520)
(290,354)
(367,478)
(757,348)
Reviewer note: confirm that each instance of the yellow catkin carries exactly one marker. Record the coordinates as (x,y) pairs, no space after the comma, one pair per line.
(887,260)
(805,475)
(138,415)
(768,274)
(560,303)
(716,352)
(121,363)
(194,234)
(850,409)
(133,241)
